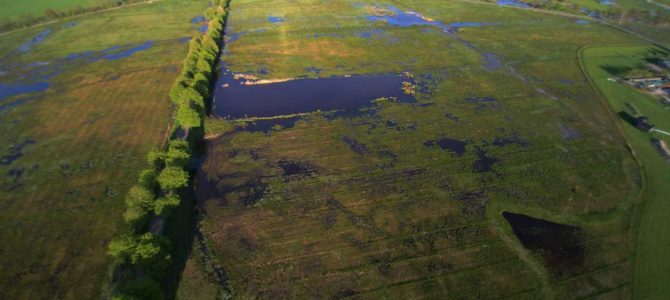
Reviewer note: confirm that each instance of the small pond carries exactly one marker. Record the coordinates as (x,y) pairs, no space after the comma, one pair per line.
(561,245)
(235,99)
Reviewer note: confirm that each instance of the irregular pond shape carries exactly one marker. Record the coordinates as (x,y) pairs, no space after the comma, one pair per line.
(15,152)
(9,90)
(491,61)
(561,245)
(236,100)
(203,28)
(606,2)
(514,3)
(274,19)
(111,53)
(456,146)
(410,18)
(582,22)
(484,163)
(34,41)
(198,19)
(128,52)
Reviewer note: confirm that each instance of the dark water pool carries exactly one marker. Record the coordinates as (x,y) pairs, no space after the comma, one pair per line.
(561,245)
(236,100)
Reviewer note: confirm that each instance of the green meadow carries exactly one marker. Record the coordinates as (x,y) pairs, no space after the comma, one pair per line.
(71,151)
(652,241)
(369,205)
(14,10)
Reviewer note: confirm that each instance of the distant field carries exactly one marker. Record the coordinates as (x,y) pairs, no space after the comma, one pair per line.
(653,245)
(14,10)
(403,200)
(70,150)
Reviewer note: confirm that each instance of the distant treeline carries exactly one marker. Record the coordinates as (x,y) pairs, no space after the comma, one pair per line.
(142,251)
(51,14)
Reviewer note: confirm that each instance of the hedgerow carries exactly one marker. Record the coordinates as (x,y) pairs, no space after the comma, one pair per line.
(142,252)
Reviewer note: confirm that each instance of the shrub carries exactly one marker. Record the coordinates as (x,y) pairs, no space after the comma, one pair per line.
(178,153)
(156,158)
(210,13)
(188,117)
(165,205)
(148,179)
(172,178)
(139,202)
(121,247)
(140,288)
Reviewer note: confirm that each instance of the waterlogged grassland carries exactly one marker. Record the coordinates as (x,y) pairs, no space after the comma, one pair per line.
(653,255)
(62,192)
(403,200)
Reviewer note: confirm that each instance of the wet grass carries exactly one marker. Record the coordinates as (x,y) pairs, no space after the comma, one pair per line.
(376,206)
(652,252)
(62,199)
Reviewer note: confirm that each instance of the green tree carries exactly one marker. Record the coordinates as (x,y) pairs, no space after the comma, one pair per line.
(165,205)
(148,179)
(188,117)
(156,158)
(178,153)
(139,202)
(172,178)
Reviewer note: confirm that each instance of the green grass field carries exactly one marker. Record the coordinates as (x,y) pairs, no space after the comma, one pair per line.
(653,242)
(16,10)
(61,200)
(379,214)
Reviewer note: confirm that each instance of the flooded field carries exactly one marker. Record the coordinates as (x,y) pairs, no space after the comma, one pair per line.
(331,192)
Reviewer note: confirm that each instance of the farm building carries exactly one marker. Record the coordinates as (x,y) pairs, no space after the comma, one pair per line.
(662,148)
(643,124)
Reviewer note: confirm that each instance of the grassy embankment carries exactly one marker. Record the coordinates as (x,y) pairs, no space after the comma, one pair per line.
(653,243)
(62,199)
(363,205)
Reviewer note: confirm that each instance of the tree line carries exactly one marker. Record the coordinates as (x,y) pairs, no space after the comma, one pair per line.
(142,253)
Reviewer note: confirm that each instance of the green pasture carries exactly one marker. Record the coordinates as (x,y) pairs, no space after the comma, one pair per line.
(379,213)
(15,10)
(652,245)
(61,201)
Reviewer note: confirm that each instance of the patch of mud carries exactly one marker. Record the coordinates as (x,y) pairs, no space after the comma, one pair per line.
(561,245)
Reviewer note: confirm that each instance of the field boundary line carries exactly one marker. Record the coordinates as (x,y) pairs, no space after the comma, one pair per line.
(78,15)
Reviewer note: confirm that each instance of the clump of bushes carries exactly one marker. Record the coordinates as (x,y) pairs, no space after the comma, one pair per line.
(142,252)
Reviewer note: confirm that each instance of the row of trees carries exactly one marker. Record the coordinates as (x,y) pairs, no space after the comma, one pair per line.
(142,252)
